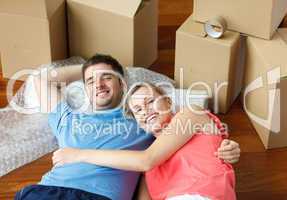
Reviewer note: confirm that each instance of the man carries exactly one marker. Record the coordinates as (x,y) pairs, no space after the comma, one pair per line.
(106,128)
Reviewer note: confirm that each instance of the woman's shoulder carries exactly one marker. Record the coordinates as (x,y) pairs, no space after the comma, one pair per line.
(192,112)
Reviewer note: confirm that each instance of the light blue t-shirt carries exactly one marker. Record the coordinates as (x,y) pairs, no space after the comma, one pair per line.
(101,130)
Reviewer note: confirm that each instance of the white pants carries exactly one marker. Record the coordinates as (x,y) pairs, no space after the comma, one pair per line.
(188,197)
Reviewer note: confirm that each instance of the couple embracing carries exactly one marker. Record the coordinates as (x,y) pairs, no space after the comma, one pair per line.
(140,132)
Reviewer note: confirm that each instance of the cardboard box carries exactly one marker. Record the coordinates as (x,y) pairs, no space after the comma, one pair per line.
(265,96)
(125,29)
(209,60)
(258,18)
(32,33)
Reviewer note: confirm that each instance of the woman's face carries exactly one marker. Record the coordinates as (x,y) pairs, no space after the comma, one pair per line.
(150,109)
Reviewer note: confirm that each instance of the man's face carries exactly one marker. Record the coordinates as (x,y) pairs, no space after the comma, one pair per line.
(103,86)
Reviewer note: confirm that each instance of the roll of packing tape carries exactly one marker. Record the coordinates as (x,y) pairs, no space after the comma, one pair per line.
(215,27)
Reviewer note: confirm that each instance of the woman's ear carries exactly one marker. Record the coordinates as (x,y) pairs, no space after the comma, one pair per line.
(171,104)
(169,100)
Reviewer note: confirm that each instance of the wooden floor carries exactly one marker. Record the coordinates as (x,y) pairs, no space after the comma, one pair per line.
(260,174)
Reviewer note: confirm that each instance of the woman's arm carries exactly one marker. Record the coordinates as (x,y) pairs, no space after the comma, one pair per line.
(173,137)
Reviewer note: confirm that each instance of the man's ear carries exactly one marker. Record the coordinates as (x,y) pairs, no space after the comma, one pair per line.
(121,82)
(123,85)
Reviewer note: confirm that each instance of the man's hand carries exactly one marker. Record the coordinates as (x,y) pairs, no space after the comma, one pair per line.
(229,151)
(66,156)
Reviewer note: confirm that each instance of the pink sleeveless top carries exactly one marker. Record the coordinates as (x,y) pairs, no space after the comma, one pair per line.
(194,169)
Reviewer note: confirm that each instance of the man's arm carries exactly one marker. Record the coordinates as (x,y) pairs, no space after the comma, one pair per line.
(66,74)
(49,83)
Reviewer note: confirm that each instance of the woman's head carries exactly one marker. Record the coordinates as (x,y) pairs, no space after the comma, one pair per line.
(149,105)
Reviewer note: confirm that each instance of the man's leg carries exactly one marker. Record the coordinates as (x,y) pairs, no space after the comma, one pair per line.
(43,192)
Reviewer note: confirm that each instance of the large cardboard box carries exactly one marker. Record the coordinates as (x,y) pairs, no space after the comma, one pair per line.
(211,61)
(258,18)
(265,93)
(126,29)
(32,33)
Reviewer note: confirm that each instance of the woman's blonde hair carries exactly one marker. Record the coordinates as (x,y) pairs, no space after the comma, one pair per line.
(127,111)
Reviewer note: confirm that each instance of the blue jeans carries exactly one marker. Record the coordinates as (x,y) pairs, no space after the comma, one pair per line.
(43,192)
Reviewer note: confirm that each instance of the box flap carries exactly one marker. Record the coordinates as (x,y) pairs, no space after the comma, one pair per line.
(52,6)
(192,27)
(30,8)
(126,8)
(283,33)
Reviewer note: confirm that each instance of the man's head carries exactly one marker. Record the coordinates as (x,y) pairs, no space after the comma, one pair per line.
(102,75)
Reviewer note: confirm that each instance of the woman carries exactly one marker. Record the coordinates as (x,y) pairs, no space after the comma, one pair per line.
(180,164)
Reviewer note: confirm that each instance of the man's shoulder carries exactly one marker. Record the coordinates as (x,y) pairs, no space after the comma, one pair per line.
(59,116)
(61,107)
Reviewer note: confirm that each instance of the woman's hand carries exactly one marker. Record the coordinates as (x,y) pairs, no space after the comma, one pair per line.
(66,156)
(229,151)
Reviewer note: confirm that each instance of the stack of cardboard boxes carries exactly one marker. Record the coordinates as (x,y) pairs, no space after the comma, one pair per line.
(35,32)
(249,58)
